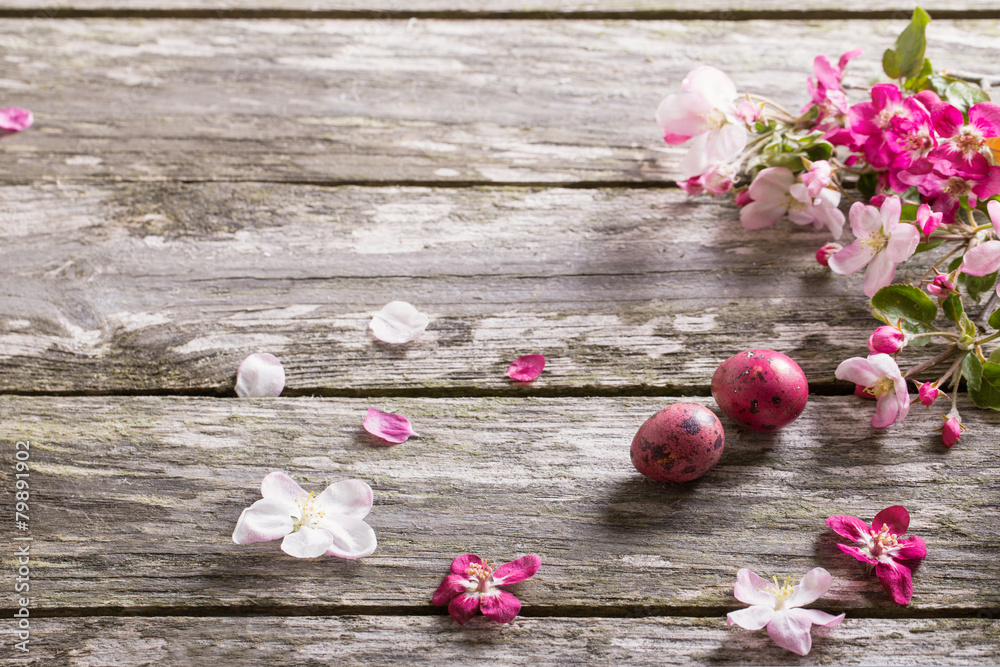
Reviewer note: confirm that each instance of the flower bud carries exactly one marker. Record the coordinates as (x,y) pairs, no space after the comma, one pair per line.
(952,431)
(877,200)
(824,254)
(743,197)
(941,286)
(886,340)
(928,393)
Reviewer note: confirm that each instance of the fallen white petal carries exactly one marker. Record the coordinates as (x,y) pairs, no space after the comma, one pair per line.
(399,322)
(260,375)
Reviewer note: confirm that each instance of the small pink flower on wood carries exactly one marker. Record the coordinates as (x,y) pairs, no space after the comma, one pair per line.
(777,606)
(883,547)
(526,368)
(393,428)
(472,586)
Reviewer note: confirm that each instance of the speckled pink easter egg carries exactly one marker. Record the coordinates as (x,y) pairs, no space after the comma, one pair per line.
(761,390)
(679,443)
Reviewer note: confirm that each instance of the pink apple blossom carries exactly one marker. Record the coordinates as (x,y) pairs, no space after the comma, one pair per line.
(718,180)
(947,184)
(472,586)
(827,93)
(821,211)
(882,544)
(817,177)
(387,426)
(984,258)
(963,141)
(14,119)
(881,242)
(778,607)
(880,375)
(870,120)
(769,198)
(861,391)
(706,114)
(310,525)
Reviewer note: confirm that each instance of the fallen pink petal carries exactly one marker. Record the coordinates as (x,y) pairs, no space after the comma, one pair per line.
(526,368)
(15,119)
(260,375)
(392,428)
(398,322)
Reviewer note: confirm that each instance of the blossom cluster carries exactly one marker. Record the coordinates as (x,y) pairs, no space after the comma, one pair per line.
(920,156)
(778,606)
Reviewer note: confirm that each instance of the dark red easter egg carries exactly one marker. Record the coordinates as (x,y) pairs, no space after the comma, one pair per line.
(679,443)
(761,390)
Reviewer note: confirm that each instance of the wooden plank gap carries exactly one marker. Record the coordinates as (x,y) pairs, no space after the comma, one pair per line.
(514,391)
(527,611)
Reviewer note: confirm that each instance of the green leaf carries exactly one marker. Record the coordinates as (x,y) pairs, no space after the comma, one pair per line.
(988,394)
(890,63)
(953,308)
(911,44)
(820,151)
(972,369)
(967,326)
(994,320)
(976,285)
(914,327)
(922,81)
(928,245)
(963,95)
(867,183)
(903,302)
(995,357)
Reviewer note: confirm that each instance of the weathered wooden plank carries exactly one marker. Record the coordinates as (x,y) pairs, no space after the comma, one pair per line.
(391,101)
(709,9)
(165,288)
(415,640)
(134,500)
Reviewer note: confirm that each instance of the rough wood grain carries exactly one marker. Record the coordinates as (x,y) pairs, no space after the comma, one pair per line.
(134,501)
(392,101)
(414,640)
(553,9)
(165,288)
